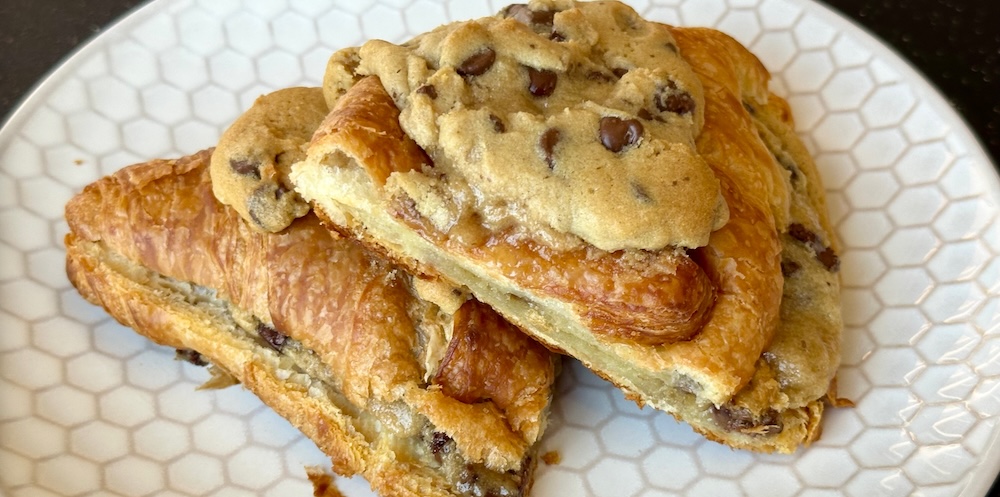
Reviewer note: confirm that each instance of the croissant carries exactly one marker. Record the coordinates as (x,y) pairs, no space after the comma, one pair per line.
(625,192)
(420,399)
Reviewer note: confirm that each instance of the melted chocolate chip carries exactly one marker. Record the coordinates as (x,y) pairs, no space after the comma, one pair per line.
(438,441)
(518,12)
(678,103)
(524,15)
(498,124)
(617,133)
(829,259)
(273,337)
(245,167)
(802,234)
(428,90)
(541,82)
(789,268)
(548,142)
(824,254)
(477,63)
(733,418)
(192,356)
(261,203)
(439,444)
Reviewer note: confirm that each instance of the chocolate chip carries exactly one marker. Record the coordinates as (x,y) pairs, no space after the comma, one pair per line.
(519,12)
(273,337)
(428,90)
(548,143)
(824,254)
(678,103)
(439,444)
(829,259)
(524,15)
(498,125)
(438,441)
(802,234)
(542,82)
(192,356)
(733,418)
(477,63)
(245,167)
(617,133)
(789,268)
(261,204)
(543,17)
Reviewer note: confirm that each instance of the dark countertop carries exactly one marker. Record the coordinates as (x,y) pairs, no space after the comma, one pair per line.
(955,43)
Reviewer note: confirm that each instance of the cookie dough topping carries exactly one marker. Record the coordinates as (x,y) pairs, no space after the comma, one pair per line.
(576,119)
(251,163)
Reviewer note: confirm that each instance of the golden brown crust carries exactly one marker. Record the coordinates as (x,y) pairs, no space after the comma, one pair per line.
(488,360)
(796,368)
(747,275)
(366,126)
(160,220)
(723,367)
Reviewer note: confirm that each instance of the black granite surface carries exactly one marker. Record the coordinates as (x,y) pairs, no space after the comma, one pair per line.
(955,43)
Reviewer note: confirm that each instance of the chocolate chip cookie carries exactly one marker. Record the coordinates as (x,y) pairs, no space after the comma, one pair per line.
(251,163)
(574,119)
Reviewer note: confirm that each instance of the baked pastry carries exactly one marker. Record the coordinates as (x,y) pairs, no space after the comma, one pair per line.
(419,399)
(623,191)
(252,160)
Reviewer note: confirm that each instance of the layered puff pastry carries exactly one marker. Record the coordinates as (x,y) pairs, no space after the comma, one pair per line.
(419,399)
(625,192)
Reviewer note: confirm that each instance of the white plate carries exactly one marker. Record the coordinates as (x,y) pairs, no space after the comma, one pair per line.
(86,405)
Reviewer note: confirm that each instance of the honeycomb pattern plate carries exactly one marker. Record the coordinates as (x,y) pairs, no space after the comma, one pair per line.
(89,408)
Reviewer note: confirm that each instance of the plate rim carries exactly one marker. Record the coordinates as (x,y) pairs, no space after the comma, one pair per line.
(910,75)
